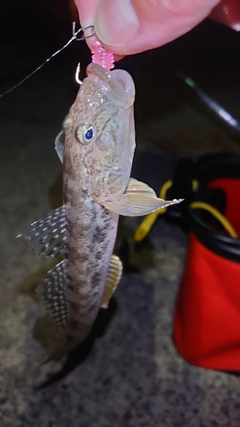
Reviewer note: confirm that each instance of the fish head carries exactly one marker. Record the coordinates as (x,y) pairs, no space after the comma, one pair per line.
(100,127)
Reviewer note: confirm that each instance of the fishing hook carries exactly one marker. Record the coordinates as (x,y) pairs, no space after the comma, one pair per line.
(77,74)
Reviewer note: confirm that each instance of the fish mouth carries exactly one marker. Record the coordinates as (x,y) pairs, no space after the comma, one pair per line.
(119,81)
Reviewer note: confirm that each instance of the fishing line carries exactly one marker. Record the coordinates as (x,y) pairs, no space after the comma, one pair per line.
(78,35)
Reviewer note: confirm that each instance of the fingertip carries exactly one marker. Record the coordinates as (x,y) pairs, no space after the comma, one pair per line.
(116,23)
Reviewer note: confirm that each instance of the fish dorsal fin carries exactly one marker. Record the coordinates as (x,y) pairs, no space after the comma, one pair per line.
(113,278)
(52,290)
(48,235)
(139,199)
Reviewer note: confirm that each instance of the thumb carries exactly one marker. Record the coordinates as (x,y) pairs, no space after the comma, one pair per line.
(116,22)
(131,26)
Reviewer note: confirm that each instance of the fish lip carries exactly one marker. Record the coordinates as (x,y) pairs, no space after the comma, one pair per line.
(118,81)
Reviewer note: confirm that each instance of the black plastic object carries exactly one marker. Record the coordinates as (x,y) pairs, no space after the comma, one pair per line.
(218,184)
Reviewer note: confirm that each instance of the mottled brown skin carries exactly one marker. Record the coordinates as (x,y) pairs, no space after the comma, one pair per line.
(91,235)
(91,173)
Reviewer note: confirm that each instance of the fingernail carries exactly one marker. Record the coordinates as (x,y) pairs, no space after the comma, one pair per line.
(236,26)
(116,22)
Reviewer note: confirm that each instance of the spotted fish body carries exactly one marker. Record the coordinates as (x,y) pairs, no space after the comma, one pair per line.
(90,246)
(97,158)
(91,173)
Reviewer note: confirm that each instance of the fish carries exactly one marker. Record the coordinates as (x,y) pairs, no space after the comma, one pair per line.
(96,147)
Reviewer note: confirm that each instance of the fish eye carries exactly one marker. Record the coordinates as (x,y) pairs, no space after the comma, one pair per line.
(85,133)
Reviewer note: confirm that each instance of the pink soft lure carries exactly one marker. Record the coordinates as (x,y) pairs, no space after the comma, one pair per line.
(102,56)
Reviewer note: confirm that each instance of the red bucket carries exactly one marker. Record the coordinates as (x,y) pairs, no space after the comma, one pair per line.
(207,312)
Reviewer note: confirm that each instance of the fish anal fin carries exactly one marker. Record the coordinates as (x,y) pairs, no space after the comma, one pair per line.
(139,199)
(48,235)
(52,290)
(113,278)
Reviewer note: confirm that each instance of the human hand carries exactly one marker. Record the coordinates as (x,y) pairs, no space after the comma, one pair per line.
(131,26)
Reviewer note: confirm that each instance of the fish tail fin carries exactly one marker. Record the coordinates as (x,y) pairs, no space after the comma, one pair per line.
(61,352)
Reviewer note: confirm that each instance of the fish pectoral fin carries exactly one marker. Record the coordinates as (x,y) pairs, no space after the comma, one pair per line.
(113,278)
(138,199)
(48,235)
(59,145)
(52,290)
(140,187)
